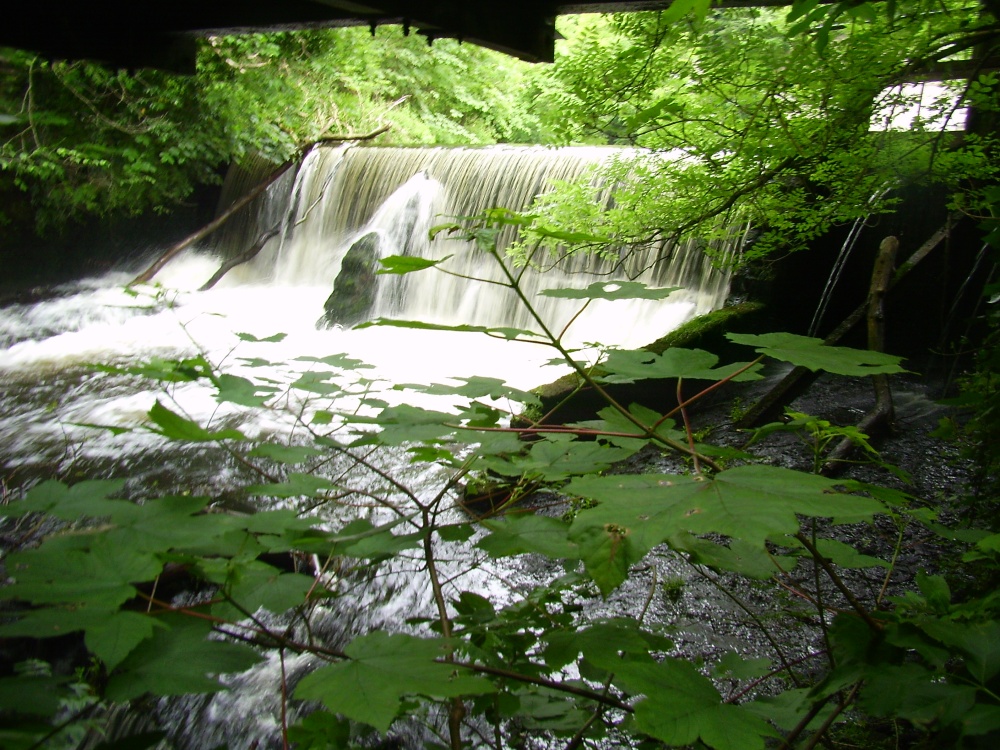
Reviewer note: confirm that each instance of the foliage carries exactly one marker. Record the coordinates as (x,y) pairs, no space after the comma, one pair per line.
(771,117)
(82,139)
(538,664)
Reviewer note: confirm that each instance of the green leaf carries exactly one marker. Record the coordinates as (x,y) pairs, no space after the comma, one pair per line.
(747,502)
(258,585)
(101,576)
(176,427)
(504,333)
(682,706)
(285,454)
(400,264)
(115,637)
(558,456)
(979,642)
(611,290)
(522,533)
(474,387)
(296,485)
(383,668)
(342,361)
(736,556)
(28,694)
(735,667)
(178,659)
(630,366)
(249,337)
(241,391)
(846,556)
(804,351)
(608,553)
(89,499)
(912,692)
(601,642)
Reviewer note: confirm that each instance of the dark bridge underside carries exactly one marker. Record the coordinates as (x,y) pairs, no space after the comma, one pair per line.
(161,33)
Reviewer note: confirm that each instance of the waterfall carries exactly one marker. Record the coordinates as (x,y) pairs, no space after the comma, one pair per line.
(395,195)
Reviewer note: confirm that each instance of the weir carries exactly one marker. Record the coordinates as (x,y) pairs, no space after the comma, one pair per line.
(387,199)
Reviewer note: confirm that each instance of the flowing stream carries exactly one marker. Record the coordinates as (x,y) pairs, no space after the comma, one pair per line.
(54,400)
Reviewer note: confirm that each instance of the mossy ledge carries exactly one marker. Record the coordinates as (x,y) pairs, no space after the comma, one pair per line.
(564,401)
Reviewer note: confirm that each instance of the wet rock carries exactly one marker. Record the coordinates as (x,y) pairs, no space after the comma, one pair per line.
(356,285)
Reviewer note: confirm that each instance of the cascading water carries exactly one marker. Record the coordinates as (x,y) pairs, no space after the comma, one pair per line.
(398,194)
(52,398)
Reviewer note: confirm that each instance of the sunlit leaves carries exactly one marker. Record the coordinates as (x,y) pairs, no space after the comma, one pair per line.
(403,264)
(495,331)
(629,366)
(172,425)
(382,669)
(805,351)
(611,290)
(558,456)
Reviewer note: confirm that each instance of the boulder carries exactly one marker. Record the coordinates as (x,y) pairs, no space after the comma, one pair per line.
(355,286)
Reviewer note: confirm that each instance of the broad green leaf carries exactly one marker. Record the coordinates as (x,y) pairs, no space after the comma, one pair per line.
(101,575)
(456,532)
(845,556)
(116,636)
(241,391)
(296,485)
(165,370)
(682,706)
(400,264)
(981,719)
(601,642)
(258,585)
(176,427)
(342,361)
(178,659)
(521,533)
(317,382)
(320,730)
(505,333)
(404,424)
(383,668)
(558,456)
(786,710)
(611,290)
(249,337)
(89,499)
(735,667)
(474,387)
(56,620)
(607,553)
(912,692)
(979,642)
(34,695)
(747,502)
(735,555)
(811,353)
(629,366)
(285,454)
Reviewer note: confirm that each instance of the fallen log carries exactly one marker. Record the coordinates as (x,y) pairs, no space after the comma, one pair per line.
(247,255)
(226,215)
(217,222)
(768,407)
